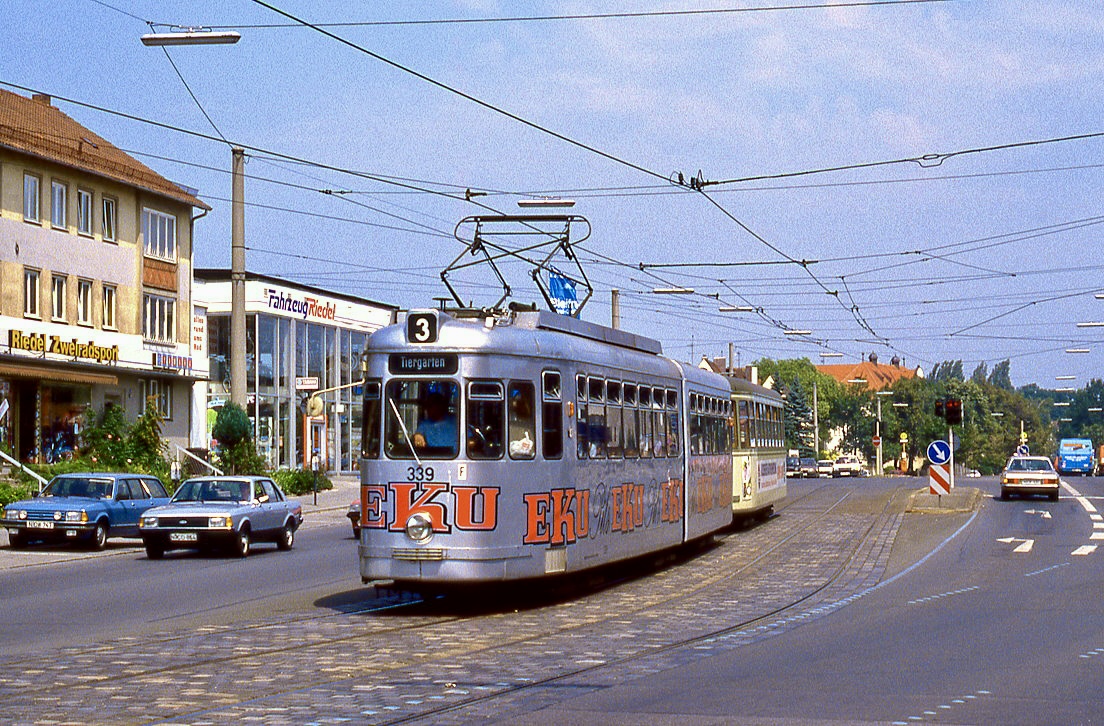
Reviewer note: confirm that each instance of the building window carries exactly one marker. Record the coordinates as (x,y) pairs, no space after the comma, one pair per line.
(158,317)
(57,299)
(30,292)
(84,302)
(59,195)
(84,212)
(31,198)
(109,307)
(159,230)
(109,219)
(157,392)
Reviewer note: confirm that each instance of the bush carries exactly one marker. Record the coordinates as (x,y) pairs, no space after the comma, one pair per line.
(300,481)
(13,492)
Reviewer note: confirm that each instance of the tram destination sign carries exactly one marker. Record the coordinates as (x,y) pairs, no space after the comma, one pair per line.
(423,363)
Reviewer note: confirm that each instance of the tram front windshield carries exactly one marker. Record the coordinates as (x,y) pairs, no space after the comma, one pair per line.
(422,419)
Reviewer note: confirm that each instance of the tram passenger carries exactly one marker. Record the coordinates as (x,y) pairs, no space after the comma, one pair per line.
(522,421)
(438,428)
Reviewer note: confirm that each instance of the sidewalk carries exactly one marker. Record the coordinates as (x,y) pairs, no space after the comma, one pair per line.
(346,489)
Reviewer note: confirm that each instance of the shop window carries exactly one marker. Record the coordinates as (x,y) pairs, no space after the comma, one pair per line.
(159,231)
(84,212)
(157,392)
(59,195)
(158,318)
(84,302)
(108,220)
(32,199)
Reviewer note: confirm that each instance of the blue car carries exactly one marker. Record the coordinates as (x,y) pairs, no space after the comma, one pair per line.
(85,507)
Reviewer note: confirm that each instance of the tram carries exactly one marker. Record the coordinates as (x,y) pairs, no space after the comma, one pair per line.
(758,451)
(512,445)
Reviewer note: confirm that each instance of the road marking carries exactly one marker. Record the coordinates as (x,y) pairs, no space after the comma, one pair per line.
(1084,550)
(1097,535)
(1024,546)
(1041,512)
(1047,569)
(942,595)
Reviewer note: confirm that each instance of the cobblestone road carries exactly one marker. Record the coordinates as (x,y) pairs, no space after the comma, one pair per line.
(440,663)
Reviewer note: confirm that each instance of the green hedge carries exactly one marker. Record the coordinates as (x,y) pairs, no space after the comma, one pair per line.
(300,481)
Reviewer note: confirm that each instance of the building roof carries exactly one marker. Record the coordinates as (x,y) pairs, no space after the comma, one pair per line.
(222,274)
(878,377)
(34,126)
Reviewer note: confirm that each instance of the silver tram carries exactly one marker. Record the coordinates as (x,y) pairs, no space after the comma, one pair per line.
(514,445)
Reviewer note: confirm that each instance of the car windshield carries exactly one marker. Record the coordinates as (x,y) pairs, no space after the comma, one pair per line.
(1029,465)
(79,486)
(206,490)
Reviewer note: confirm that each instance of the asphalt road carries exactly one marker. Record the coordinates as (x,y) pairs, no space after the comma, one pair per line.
(1003,624)
(864,601)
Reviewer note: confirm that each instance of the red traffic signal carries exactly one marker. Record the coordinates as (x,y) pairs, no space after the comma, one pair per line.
(939,410)
(953,410)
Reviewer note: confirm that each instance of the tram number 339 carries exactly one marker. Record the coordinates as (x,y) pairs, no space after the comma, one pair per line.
(419,473)
(421,328)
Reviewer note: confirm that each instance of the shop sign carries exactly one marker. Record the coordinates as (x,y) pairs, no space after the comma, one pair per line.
(54,345)
(172,362)
(303,306)
(199,332)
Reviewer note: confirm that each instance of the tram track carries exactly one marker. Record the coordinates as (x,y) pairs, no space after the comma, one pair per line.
(406,653)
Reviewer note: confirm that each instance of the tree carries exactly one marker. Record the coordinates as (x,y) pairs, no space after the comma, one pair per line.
(980,374)
(798,413)
(1001,377)
(234,433)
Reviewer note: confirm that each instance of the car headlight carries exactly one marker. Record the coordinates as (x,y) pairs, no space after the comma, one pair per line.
(58,516)
(22,514)
(148,522)
(220,523)
(81,516)
(419,528)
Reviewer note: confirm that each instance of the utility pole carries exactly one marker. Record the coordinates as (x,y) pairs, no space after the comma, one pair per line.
(615,308)
(816,424)
(237,279)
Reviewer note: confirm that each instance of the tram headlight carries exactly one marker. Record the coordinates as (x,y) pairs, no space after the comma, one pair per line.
(419,528)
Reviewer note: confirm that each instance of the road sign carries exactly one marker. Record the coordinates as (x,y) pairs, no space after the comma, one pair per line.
(877,441)
(939,479)
(939,452)
(904,438)
(306,383)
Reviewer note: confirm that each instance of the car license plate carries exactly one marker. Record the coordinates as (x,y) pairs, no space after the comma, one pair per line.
(35,524)
(182,537)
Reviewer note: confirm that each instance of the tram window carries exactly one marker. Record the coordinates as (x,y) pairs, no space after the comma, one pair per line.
(551,416)
(631,443)
(550,388)
(597,434)
(370,421)
(743,422)
(522,420)
(484,419)
(614,448)
(582,447)
(421,416)
(659,424)
(630,394)
(673,422)
(644,422)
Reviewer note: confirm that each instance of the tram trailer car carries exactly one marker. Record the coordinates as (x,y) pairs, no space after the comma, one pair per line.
(581,445)
(758,451)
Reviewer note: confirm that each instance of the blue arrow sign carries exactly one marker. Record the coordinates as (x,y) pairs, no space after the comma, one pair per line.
(939,452)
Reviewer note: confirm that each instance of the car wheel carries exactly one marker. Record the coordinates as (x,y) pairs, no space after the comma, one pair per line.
(242,542)
(17,540)
(98,540)
(154,552)
(1054,497)
(287,537)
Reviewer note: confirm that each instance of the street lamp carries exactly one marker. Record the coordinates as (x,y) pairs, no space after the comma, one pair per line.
(673,291)
(204,36)
(191,36)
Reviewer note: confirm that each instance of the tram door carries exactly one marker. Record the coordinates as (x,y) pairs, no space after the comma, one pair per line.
(316,442)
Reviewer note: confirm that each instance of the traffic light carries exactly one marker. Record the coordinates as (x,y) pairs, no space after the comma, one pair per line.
(939,409)
(953,410)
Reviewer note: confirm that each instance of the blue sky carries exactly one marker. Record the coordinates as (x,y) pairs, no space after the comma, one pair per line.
(978,256)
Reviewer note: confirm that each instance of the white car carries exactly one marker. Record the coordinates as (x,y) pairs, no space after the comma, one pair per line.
(1029,475)
(824,468)
(847,466)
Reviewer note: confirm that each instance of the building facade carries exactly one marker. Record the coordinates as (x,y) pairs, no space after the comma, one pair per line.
(298,339)
(95,283)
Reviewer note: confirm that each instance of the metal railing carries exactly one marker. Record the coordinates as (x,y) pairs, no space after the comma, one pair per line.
(181,450)
(41,482)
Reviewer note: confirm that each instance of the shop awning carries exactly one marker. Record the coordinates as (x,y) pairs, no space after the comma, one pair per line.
(51,373)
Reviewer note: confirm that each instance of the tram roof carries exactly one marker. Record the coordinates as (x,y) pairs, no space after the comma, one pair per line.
(740,385)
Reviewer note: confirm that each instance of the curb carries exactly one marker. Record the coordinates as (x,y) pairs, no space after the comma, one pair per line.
(960,500)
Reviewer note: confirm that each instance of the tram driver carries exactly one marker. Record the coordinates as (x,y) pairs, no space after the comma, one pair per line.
(437,430)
